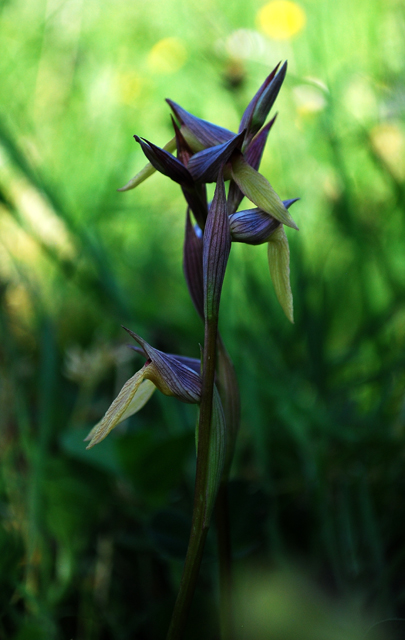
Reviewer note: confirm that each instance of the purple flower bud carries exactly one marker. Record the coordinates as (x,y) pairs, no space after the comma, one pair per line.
(259,107)
(252,226)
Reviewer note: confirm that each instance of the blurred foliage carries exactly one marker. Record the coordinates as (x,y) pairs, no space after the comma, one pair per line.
(91,542)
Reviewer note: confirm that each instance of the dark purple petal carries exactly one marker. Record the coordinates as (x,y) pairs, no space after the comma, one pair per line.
(193,265)
(207,134)
(204,165)
(247,116)
(165,162)
(169,375)
(254,151)
(217,245)
(183,150)
(196,198)
(192,363)
(266,101)
(288,203)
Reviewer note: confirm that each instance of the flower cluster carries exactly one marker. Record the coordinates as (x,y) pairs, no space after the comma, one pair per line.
(206,151)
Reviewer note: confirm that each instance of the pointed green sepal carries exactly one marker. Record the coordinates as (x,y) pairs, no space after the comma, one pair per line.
(279,263)
(173,376)
(257,189)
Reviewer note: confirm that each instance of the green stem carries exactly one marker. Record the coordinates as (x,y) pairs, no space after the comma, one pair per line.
(224,557)
(200,523)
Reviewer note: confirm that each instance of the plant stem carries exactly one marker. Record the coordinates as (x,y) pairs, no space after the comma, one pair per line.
(200,522)
(224,557)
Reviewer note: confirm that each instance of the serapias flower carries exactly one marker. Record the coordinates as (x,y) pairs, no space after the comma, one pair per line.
(165,372)
(174,376)
(212,146)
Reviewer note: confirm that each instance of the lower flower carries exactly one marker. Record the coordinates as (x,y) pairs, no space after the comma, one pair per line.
(163,371)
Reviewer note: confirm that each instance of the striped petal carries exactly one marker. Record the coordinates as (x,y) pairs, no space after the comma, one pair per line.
(148,169)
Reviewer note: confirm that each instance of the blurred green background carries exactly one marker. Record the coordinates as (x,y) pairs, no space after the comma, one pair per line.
(92,542)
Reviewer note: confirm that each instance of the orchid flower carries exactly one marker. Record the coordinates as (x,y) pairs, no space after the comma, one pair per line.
(212,146)
(166,372)
(174,376)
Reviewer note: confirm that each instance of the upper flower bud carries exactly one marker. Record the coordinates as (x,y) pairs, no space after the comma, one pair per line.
(259,107)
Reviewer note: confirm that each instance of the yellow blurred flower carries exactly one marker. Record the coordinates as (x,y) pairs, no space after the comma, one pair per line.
(309,99)
(167,56)
(388,141)
(130,87)
(281,19)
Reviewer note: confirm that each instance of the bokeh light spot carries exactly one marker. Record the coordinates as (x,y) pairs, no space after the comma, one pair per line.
(281,19)
(167,56)
(388,141)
